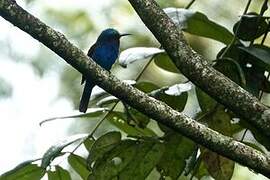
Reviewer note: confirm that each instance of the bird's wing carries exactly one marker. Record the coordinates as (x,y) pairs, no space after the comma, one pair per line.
(89,54)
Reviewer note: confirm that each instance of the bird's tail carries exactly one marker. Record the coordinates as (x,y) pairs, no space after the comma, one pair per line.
(86,96)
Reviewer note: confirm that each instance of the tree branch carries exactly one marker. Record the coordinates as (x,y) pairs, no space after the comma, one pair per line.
(155,109)
(197,69)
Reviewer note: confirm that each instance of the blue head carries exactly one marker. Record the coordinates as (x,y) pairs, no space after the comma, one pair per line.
(110,35)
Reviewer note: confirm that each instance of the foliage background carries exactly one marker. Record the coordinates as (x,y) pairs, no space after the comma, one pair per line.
(36,85)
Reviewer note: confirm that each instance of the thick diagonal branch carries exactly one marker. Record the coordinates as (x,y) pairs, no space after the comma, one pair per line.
(157,110)
(196,68)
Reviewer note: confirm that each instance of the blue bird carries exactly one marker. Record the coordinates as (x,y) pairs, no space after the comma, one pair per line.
(104,52)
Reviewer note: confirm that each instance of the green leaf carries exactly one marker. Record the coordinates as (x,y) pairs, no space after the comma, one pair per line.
(261,53)
(107,101)
(55,150)
(118,119)
(102,145)
(91,112)
(251,27)
(177,151)
(176,102)
(207,104)
(58,174)
(146,87)
(232,69)
(24,171)
(113,162)
(164,62)
(147,156)
(88,143)
(79,165)
(218,166)
(198,23)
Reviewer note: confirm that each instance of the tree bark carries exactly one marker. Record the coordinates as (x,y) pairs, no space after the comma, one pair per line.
(155,109)
(196,68)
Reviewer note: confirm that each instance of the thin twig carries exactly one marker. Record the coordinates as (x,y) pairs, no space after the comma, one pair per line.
(189,4)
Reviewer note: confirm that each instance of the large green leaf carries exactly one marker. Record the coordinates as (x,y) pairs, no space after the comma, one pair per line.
(102,145)
(198,23)
(24,171)
(79,165)
(58,174)
(177,151)
(55,150)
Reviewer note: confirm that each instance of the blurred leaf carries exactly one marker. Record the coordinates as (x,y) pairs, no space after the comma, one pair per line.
(164,62)
(81,22)
(131,55)
(118,119)
(198,23)
(255,79)
(24,171)
(218,166)
(55,150)
(88,143)
(266,86)
(251,27)
(113,162)
(177,151)
(5,89)
(261,53)
(139,118)
(102,145)
(58,174)
(79,165)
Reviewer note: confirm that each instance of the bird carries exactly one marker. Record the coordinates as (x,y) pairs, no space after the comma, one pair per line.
(104,52)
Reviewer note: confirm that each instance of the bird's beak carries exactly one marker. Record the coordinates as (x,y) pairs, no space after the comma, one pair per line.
(125,34)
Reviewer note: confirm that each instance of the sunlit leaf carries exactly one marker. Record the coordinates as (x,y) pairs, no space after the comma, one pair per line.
(131,55)
(25,171)
(198,23)
(55,150)
(58,174)
(79,165)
